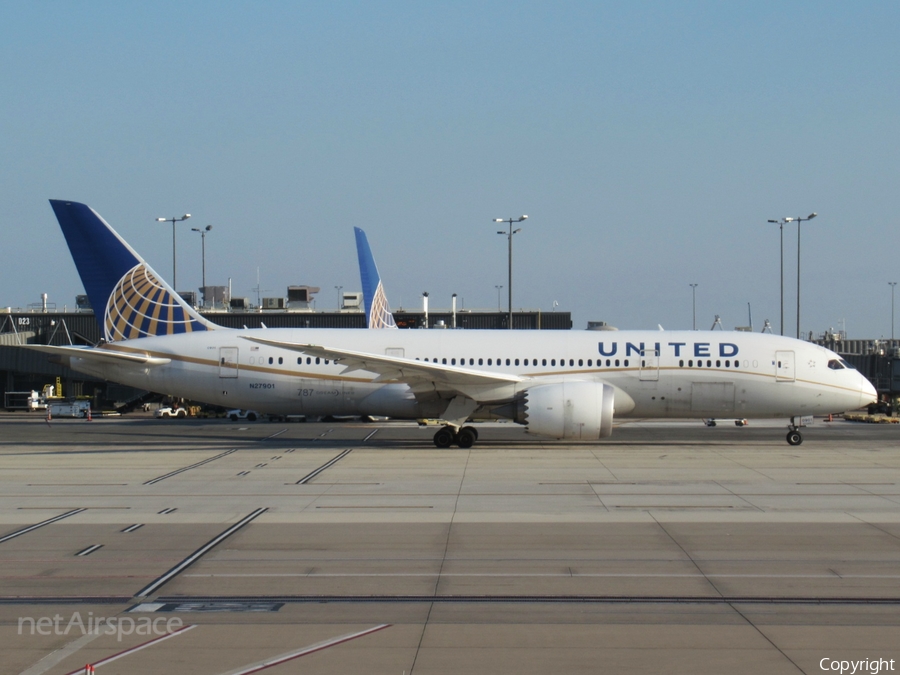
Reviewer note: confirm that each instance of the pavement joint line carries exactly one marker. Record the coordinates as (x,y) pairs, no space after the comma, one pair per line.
(334,460)
(136,648)
(26,530)
(370,435)
(290,656)
(524,599)
(276,434)
(152,481)
(196,555)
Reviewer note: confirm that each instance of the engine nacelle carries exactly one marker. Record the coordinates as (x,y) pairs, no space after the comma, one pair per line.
(573,410)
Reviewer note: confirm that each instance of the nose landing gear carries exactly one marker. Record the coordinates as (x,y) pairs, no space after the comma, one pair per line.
(794,437)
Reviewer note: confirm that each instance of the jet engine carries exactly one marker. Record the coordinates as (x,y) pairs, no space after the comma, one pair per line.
(572,410)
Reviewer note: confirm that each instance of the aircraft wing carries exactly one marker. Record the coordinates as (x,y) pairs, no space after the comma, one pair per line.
(422,376)
(103,356)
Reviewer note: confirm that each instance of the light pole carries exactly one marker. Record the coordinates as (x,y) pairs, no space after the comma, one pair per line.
(694,302)
(781,230)
(499,288)
(203,256)
(339,289)
(799,220)
(173,221)
(509,236)
(892,284)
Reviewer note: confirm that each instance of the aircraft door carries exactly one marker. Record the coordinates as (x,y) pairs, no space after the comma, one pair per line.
(228,361)
(649,365)
(784,367)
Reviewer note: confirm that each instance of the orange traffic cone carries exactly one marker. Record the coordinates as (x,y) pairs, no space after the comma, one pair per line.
(89,418)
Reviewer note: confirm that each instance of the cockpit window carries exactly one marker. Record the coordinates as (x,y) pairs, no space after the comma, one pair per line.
(835,364)
(847,364)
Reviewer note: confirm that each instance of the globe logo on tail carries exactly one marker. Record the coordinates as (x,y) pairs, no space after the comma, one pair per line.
(141,306)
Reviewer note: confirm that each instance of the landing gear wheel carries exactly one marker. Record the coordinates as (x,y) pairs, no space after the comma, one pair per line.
(444,437)
(466,437)
(794,437)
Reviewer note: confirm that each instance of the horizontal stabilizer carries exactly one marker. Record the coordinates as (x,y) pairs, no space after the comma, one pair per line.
(106,356)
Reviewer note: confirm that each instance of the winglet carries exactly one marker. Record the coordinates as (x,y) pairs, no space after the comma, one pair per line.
(378,313)
(129,299)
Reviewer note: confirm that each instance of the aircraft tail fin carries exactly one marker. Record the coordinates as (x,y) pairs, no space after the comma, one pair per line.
(130,300)
(378,313)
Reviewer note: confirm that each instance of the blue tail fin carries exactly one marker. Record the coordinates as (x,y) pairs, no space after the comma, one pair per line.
(129,299)
(378,313)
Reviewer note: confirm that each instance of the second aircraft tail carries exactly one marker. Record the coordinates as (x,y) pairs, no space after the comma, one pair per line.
(378,313)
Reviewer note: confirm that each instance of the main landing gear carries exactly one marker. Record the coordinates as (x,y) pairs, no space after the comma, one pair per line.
(447,436)
(794,437)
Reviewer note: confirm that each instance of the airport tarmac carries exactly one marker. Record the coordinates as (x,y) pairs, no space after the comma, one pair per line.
(352,547)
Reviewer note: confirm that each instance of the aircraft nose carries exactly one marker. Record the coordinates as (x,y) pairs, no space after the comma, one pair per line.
(867,392)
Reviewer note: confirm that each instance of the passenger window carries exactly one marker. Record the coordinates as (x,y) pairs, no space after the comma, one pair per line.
(280,360)
(626,363)
(580,362)
(444,361)
(507,361)
(490,362)
(681,364)
(718,364)
(552,362)
(480,362)
(607,363)
(317,360)
(727,363)
(571,362)
(617,363)
(709,363)
(452,362)
(517,361)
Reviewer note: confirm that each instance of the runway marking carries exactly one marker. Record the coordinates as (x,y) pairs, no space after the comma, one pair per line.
(370,435)
(167,511)
(132,528)
(188,468)
(88,550)
(308,477)
(277,433)
(59,655)
(289,656)
(137,648)
(26,530)
(196,555)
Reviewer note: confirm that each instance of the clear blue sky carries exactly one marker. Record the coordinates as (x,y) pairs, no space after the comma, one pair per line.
(648,142)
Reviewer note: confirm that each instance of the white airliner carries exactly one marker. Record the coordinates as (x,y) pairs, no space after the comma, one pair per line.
(561,384)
